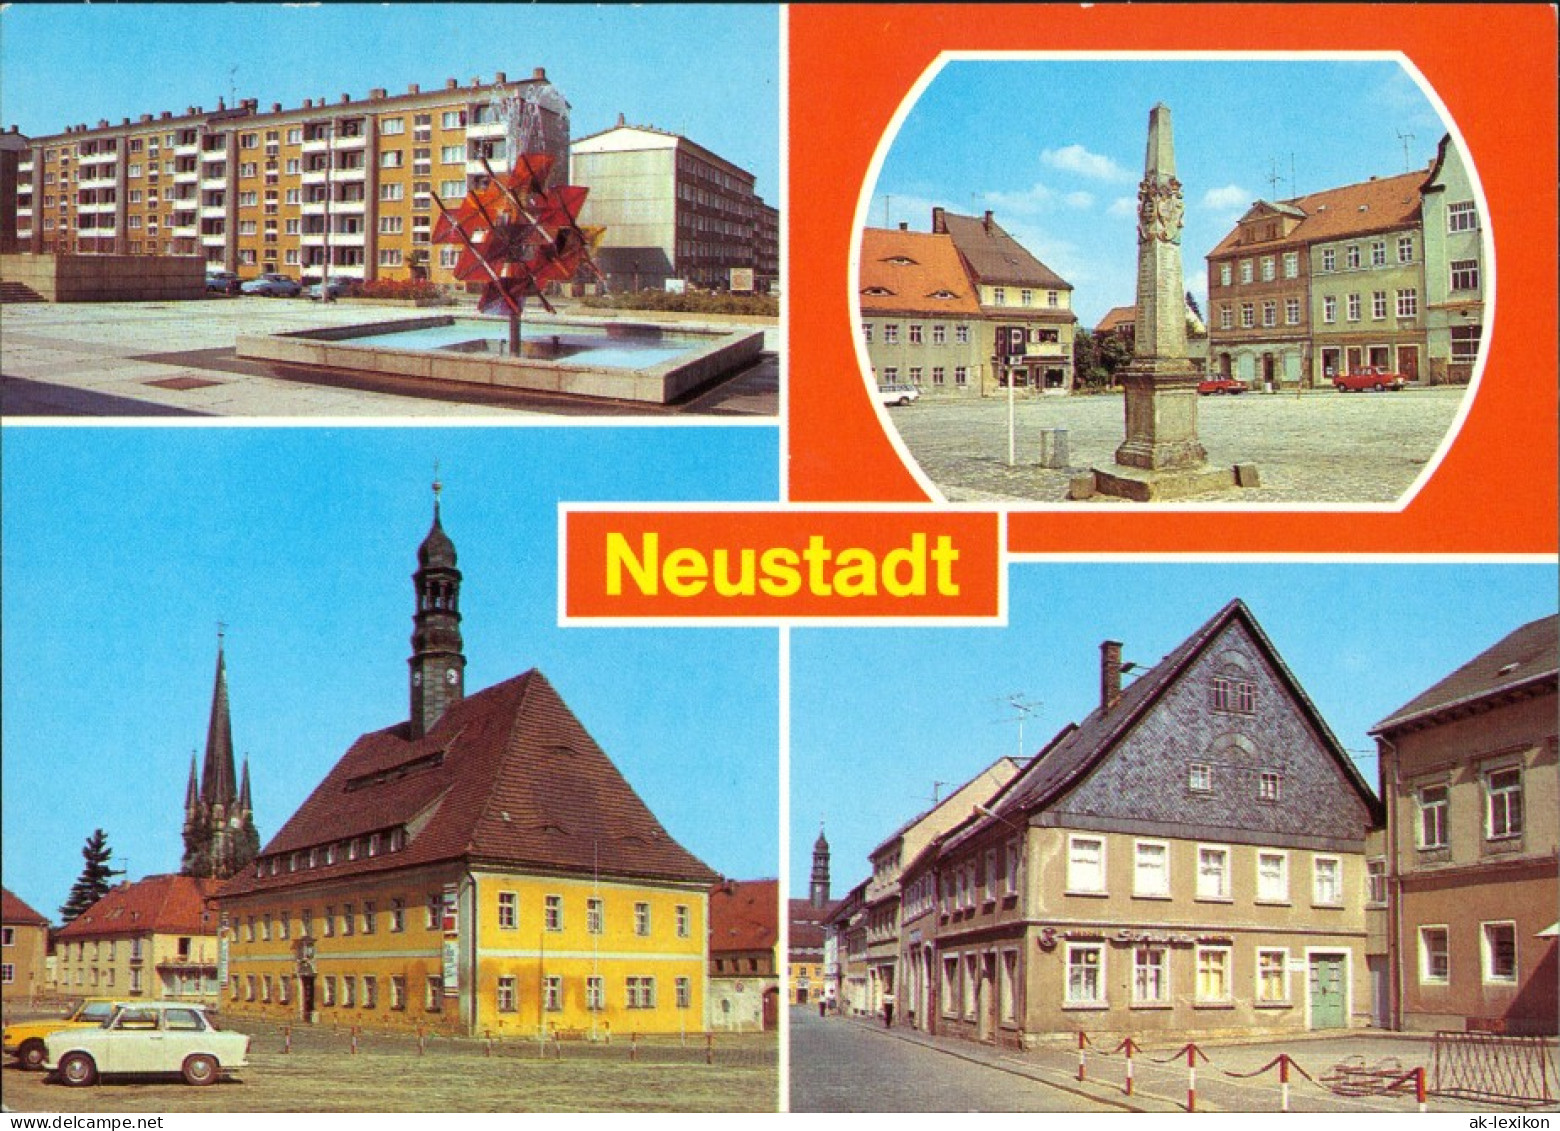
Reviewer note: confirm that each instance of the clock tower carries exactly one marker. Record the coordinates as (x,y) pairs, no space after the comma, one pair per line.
(438,669)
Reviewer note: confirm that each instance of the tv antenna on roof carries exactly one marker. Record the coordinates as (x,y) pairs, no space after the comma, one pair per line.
(1407,161)
(1022,709)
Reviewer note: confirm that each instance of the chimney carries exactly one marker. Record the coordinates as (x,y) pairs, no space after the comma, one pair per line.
(451,84)
(539,75)
(414,88)
(939,221)
(345,98)
(987,221)
(621,123)
(1110,674)
(499,78)
(376,94)
(904,225)
(276,107)
(308,103)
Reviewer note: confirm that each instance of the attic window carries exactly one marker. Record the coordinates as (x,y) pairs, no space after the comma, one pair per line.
(1509,668)
(879,292)
(395,773)
(900,261)
(1238,696)
(397,839)
(945,293)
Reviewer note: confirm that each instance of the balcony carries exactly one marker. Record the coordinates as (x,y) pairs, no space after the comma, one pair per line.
(184,232)
(315,176)
(355,141)
(24,211)
(213,184)
(499,164)
(317,145)
(25,168)
(213,212)
(312,239)
(97,182)
(93,207)
(98,158)
(315,207)
(209,240)
(348,271)
(350,207)
(483,130)
(348,239)
(352,176)
(186,176)
(190,150)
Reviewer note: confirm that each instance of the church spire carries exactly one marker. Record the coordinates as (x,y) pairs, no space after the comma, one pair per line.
(192,790)
(438,668)
(218,786)
(818,896)
(219,829)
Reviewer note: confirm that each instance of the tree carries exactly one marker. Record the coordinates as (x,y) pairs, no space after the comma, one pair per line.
(1197,310)
(93,883)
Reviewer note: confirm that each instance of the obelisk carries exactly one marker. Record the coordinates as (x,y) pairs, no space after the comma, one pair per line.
(1161,456)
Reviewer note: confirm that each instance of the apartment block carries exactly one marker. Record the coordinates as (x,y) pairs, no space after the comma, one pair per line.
(344,188)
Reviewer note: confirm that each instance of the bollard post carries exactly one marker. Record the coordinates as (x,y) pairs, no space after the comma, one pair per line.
(1131,1048)
(1283,1082)
(354,1040)
(1419,1086)
(487,1035)
(287,1038)
(422,1044)
(709,1048)
(1191,1077)
(633,1046)
(1082,1071)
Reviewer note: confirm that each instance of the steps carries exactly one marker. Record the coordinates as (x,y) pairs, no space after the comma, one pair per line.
(18,292)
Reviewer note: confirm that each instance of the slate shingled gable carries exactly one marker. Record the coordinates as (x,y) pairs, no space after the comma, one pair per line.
(507,777)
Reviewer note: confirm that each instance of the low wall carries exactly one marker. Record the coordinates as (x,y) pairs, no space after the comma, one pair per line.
(107,278)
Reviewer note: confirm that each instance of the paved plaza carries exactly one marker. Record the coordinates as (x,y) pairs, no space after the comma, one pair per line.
(1320,447)
(167,359)
(840,1064)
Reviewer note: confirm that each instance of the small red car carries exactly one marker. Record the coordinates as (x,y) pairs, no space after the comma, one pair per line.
(1373,378)
(1216,385)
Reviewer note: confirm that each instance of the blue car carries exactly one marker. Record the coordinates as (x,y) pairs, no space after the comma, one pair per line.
(272,284)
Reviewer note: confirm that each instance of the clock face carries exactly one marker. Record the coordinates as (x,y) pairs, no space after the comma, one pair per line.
(417,679)
(451,676)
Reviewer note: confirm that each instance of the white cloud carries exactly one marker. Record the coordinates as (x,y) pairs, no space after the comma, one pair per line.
(1227,199)
(1123,206)
(1079,200)
(1031,201)
(1077,159)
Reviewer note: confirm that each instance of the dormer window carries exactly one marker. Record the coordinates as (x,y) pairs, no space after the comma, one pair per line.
(900,261)
(877,292)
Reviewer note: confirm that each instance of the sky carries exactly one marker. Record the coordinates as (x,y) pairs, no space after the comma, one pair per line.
(879,718)
(611,59)
(124,548)
(1055,149)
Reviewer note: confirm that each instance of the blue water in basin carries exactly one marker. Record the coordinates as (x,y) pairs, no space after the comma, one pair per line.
(580,345)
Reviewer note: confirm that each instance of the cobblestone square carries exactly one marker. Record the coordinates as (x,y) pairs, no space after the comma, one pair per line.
(1322,447)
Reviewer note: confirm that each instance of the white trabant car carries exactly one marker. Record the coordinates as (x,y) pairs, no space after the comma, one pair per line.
(147,1038)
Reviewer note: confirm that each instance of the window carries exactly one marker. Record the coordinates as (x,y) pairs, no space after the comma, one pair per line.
(595,993)
(452,154)
(370,917)
(1269,785)
(1150,976)
(391,190)
(1354,307)
(392,126)
(7,936)
(1291,312)
(970,984)
(327,990)
(1085,864)
(915,329)
(1465,274)
(1503,794)
(508,910)
(348,919)
(1433,804)
(641,919)
(684,988)
(961,374)
(1272,976)
(1499,950)
(552,912)
(1213,974)
(1245,271)
(1327,881)
(866,332)
(1405,249)
(1378,253)
(1461,216)
(1085,974)
(1434,965)
(1010,875)
(1352,257)
(1291,264)
(998,296)
(961,334)
(950,985)
(1226,317)
(370,991)
(433,994)
(1269,269)
(552,993)
(1270,313)
(939,334)
(593,915)
(1227,693)
(1330,308)
(1407,302)
(397,991)
(1272,877)
(1213,872)
(640,992)
(453,119)
(348,992)
(939,375)
(433,911)
(1329,259)
(890,333)
(684,920)
(1376,881)
(1248,315)
(265,928)
(1199,777)
(1151,869)
(1224,274)
(1378,304)
(397,916)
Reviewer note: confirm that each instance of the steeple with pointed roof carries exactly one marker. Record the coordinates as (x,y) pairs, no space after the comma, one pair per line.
(438,667)
(219,829)
(818,894)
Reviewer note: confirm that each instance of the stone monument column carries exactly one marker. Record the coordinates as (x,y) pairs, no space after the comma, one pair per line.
(1161,456)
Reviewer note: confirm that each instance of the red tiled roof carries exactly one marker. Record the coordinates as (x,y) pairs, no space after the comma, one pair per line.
(1372,206)
(507,776)
(15,913)
(165,905)
(807,923)
(1115,317)
(744,915)
(912,267)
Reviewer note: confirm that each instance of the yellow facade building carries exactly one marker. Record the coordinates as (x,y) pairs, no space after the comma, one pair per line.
(24,951)
(481,868)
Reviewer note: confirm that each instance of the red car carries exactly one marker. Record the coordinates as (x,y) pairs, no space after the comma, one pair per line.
(1216,385)
(1373,378)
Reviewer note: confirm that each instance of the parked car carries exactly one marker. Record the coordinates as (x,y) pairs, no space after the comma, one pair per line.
(222,282)
(336,288)
(898,394)
(272,284)
(147,1038)
(24,1039)
(1373,378)
(1216,386)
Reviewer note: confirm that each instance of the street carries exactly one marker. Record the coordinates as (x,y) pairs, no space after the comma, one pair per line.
(1322,447)
(842,1064)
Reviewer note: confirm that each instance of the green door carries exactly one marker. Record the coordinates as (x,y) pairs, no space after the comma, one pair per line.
(1328,1005)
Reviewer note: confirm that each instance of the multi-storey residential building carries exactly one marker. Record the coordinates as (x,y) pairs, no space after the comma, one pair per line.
(1188,858)
(672,209)
(480,866)
(1455,267)
(344,187)
(24,951)
(744,970)
(1027,335)
(884,894)
(846,926)
(921,319)
(1469,772)
(156,938)
(1305,289)
(766,256)
(14,152)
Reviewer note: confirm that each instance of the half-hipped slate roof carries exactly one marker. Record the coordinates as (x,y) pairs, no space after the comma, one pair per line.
(507,777)
(162,904)
(1078,748)
(1525,661)
(744,916)
(14,912)
(913,273)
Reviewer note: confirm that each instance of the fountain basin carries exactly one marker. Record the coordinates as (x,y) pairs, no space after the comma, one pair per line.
(617,360)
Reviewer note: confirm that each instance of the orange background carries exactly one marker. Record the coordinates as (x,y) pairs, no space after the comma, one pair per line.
(978,571)
(1494,67)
